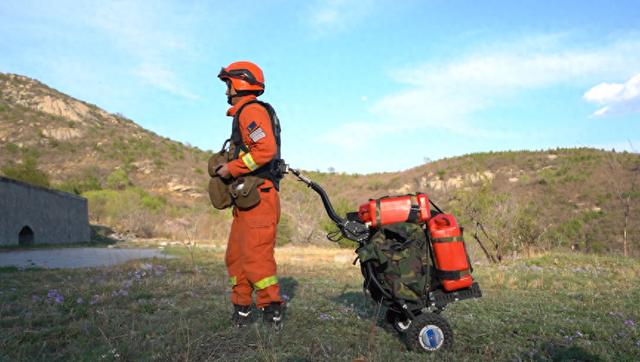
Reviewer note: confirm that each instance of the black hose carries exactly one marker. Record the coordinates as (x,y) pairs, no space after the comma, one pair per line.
(323,195)
(327,204)
(372,277)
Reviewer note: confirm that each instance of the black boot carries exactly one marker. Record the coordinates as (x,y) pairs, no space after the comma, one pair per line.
(241,315)
(273,315)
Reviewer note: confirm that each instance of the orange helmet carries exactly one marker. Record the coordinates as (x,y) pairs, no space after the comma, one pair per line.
(245,77)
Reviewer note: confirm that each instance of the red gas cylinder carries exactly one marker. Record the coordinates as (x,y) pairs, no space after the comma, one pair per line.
(450,255)
(395,209)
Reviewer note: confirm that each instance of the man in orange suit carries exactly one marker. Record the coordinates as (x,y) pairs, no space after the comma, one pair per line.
(250,250)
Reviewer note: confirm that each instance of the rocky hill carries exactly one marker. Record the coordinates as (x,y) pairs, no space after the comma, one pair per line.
(82,148)
(148,185)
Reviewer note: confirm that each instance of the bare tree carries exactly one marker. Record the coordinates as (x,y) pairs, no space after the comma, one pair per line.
(624,192)
(304,209)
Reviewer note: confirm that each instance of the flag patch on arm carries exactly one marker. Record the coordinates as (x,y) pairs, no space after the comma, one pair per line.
(257,134)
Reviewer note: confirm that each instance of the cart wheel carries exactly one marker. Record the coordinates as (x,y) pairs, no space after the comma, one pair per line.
(399,322)
(429,332)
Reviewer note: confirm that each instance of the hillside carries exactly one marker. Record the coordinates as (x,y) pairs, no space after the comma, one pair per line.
(141,183)
(84,149)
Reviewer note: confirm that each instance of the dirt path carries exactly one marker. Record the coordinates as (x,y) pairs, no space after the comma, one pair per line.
(74,257)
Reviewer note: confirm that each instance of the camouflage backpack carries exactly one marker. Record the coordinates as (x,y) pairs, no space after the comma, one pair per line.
(400,255)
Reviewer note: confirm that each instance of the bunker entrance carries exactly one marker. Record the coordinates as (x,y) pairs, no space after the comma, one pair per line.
(26,236)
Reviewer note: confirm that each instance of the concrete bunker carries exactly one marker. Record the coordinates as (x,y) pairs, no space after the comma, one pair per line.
(26,237)
(36,215)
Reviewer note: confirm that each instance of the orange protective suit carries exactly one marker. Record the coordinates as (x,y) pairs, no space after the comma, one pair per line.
(250,250)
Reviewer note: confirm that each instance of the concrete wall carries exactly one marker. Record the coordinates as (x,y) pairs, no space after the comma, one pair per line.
(54,216)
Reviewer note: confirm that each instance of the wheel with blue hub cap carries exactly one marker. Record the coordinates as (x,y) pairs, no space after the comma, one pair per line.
(429,332)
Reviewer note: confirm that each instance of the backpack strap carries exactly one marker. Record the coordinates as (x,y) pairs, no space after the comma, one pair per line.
(272,169)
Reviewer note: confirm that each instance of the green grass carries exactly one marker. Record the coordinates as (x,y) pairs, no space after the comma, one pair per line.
(554,307)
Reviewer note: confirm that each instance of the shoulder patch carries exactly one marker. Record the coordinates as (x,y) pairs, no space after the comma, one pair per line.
(252,126)
(257,134)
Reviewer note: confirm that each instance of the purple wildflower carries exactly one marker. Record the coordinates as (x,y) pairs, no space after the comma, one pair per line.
(79,300)
(121,292)
(324,317)
(55,296)
(629,323)
(36,298)
(285,297)
(571,338)
(94,299)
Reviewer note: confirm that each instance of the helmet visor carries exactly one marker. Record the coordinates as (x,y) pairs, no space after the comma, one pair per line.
(242,74)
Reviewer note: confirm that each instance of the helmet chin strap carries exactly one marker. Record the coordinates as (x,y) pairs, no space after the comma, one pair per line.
(242,93)
(230,99)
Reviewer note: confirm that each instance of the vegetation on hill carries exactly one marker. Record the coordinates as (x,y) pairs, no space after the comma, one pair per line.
(137,182)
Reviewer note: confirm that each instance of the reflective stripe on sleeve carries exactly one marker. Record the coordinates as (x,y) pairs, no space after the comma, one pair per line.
(266,282)
(249,162)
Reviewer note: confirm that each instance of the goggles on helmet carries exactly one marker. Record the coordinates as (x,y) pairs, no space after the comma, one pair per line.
(242,74)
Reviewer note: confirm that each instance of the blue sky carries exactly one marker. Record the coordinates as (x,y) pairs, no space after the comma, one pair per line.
(360,86)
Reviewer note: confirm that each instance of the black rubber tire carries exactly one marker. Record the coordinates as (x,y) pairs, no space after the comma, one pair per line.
(413,333)
(394,318)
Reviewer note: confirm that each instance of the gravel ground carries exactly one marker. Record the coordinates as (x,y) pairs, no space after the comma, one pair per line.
(74,257)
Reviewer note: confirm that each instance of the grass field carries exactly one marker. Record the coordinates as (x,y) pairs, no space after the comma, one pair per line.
(550,307)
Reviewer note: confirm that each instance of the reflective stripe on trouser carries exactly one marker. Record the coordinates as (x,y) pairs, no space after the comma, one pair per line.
(266,282)
(250,255)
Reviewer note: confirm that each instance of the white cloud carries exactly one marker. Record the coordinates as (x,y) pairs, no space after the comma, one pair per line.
(162,78)
(446,95)
(150,36)
(327,16)
(617,98)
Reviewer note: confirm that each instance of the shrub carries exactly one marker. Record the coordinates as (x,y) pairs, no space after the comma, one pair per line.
(341,207)
(375,184)
(511,225)
(27,172)
(159,164)
(11,148)
(131,209)
(285,231)
(78,187)
(154,203)
(118,180)
(87,180)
